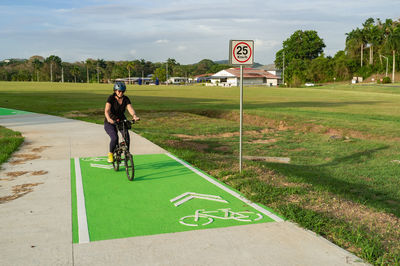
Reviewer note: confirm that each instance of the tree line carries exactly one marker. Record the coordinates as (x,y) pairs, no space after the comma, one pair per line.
(53,69)
(368,50)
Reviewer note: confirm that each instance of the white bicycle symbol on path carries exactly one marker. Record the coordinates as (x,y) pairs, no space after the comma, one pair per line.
(203,217)
(94,159)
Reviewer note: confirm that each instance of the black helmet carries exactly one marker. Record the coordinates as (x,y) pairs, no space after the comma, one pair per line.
(119,85)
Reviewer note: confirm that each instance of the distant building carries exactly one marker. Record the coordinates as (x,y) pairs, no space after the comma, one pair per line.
(272,69)
(251,76)
(202,78)
(177,80)
(136,80)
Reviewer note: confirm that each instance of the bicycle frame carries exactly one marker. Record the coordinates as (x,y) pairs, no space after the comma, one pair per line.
(122,128)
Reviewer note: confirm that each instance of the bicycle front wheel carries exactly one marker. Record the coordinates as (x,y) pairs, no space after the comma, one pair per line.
(116,160)
(129,166)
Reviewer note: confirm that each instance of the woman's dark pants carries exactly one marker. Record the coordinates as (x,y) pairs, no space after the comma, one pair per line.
(113,133)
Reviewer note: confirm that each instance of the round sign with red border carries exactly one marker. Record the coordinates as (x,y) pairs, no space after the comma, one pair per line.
(241,52)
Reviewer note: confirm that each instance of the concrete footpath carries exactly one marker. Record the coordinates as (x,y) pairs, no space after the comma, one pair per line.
(35,211)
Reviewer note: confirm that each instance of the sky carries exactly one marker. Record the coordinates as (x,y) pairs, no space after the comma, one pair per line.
(185,30)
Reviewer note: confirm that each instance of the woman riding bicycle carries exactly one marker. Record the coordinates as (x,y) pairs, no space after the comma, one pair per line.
(116,105)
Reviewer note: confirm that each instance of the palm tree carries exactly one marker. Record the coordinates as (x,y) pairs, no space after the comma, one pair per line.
(53,60)
(89,64)
(37,64)
(101,65)
(393,43)
(75,71)
(129,66)
(354,40)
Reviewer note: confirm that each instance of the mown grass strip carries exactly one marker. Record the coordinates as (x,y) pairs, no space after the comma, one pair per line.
(9,142)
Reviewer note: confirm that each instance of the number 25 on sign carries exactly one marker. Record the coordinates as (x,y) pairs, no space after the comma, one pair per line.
(241,52)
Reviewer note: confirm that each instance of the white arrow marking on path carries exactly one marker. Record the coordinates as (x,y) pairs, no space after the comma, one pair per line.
(192,195)
(103,166)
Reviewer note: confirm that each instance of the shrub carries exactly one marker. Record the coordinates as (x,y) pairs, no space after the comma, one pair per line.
(386,80)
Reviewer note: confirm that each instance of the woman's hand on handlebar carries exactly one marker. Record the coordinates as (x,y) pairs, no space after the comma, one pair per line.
(135,118)
(111,121)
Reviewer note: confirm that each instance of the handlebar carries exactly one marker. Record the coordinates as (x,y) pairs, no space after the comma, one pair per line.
(118,122)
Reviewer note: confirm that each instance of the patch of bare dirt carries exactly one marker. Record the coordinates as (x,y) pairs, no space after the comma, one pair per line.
(188,145)
(263,141)
(298,149)
(40,149)
(253,133)
(13,175)
(24,158)
(41,172)
(282,126)
(223,148)
(189,137)
(19,191)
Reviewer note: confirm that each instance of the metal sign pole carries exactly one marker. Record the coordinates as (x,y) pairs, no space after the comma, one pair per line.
(241,52)
(241,118)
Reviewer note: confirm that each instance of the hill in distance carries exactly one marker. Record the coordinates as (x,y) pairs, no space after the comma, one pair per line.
(226,62)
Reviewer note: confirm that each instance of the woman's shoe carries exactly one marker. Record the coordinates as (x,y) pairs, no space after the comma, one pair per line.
(110,158)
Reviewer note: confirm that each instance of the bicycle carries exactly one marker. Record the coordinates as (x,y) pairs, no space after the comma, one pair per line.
(123,149)
(203,217)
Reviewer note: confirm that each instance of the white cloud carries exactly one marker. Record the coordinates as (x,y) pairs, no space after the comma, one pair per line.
(187,30)
(265,44)
(181,48)
(162,41)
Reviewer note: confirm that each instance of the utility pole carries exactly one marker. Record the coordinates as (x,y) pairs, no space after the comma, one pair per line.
(166,73)
(283,73)
(362,53)
(386,64)
(97,68)
(51,71)
(62,74)
(394,56)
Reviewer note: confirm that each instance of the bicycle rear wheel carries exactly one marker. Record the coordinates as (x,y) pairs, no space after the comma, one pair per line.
(129,166)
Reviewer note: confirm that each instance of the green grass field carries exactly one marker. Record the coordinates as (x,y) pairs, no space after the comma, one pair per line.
(343,141)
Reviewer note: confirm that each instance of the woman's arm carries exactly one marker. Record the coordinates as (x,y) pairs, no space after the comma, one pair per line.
(107,112)
(132,112)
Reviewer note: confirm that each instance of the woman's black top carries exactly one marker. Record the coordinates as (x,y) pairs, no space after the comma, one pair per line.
(117,110)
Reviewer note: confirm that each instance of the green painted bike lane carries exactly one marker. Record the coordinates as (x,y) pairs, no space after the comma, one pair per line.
(167,195)
(5,111)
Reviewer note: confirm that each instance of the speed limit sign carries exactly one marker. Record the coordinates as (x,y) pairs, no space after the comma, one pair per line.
(241,52)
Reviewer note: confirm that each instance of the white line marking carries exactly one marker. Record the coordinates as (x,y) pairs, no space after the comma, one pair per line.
(80,203)
(103,166)
(181,196)
(233,193)
(193,195)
